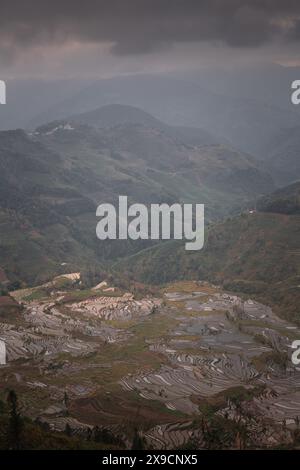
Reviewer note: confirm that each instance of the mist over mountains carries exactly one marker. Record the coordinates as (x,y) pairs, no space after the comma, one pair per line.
(222,139)
(149,227)
(53,179)
(200,138)
(249,108)
(216,136)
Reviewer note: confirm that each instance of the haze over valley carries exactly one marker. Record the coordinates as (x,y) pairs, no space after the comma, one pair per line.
(119,344)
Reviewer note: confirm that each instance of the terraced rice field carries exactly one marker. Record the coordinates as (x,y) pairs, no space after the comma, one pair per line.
(163,365)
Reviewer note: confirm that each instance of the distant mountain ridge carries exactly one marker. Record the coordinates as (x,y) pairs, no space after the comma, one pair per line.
(248,106)
(119,114)
(248,124)
(146,140)
(114,115)
(53,179)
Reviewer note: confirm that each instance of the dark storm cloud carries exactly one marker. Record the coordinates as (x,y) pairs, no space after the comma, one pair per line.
(140,26)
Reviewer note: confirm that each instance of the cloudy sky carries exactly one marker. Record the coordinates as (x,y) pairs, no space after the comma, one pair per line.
(103,38)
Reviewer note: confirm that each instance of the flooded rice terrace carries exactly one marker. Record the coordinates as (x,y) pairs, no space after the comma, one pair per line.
(162,364)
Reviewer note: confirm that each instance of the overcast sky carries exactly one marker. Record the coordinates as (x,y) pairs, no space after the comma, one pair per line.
(71,38)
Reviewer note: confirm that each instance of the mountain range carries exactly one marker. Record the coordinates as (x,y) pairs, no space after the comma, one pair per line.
(248,108)
(53,178)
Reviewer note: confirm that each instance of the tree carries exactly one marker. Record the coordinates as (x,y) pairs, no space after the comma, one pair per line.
(138,442)
(15,425)
(66,403)
(68,430)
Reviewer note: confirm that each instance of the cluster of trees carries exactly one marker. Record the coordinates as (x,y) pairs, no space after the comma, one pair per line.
(17,432)
(12,424)
(283,201)
(6,287)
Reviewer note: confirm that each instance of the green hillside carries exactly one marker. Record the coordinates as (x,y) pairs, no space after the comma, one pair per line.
(283,157)
(255,253)
(283,201)
(52,180)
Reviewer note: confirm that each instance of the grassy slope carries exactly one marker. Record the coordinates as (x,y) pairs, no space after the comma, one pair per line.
(253,253)
(51,183)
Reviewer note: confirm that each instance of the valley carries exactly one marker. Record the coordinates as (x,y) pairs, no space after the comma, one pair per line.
(142,344)
(149,231)
(53,179)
